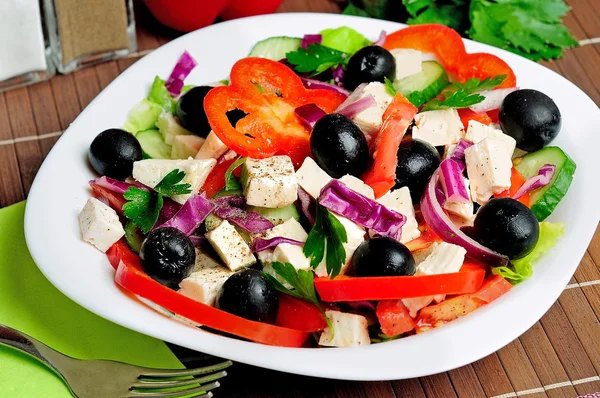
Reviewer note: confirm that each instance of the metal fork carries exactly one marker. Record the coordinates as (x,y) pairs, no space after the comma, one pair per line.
(112,379)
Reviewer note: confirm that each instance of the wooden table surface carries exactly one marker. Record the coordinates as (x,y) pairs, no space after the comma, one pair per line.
(558,357)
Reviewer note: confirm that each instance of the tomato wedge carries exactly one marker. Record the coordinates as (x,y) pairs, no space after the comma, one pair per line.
(381,176)
(130,276)
(216,179)
(345,288)
(268,92)
(299,314)
(394,318)
(516,181)
(115,200)
(467,115)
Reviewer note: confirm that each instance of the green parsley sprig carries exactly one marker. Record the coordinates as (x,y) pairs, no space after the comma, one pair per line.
(389,86)
(465,95)
(143,207)
(327,232)
(316,58)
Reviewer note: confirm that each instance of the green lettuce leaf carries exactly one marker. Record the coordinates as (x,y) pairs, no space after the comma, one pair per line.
(143,116)
(344,39)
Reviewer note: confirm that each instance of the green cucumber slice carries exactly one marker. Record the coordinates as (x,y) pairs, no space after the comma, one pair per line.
(425,85)
(133,236)
(545,199)
(277,216)
(153,144)
(275,48)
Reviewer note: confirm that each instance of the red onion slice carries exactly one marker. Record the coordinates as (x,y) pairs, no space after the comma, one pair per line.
(381,40)
(182,69)
(493,99)
(459,151)
(356,107)
(191,215)
(312,84)
(309,114)
(543,178)
(311,39)
(452,181)
(338,76)
(306,205)
(260,244)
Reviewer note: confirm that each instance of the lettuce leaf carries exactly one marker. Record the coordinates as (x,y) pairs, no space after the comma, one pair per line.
(344,39)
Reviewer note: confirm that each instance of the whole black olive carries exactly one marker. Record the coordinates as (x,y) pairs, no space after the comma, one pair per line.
(190,110)
(417,161)
(249,294)
(383,256)
(369,64)
(339,147)
(531,118)
(167,256)
(507,226)
(113,152)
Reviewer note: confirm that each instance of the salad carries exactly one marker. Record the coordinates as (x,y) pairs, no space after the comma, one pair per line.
(332,191)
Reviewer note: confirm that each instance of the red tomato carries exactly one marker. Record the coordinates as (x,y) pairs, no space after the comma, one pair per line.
(466,115)
(492,288)
(394,318)
(482,65)
(381,175)
(186,15)
(216,179)
(245,8)
(268,92)
(299,314)
(115,200)
(493,114)
(131,277)
(516,181)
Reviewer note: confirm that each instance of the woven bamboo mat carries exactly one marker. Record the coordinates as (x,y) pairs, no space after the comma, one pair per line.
(558,357)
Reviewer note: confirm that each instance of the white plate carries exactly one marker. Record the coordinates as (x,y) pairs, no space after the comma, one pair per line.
(83,273)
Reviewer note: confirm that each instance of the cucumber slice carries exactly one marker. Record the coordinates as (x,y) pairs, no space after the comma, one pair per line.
(153,144)
(277,216)
(134,236)
(545,199)
(275,48)
(425,85)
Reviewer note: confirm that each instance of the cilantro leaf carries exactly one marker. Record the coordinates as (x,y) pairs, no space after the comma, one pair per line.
(389,86)
(316,58)
(328,233)
(170,184)
(231,182)
(464,95)
(143,207)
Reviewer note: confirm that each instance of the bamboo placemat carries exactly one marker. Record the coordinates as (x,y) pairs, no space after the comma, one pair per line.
(558,357)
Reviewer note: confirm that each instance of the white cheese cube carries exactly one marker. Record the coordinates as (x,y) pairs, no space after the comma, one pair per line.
(356,236)
(408,62)
(357,185)
(293,254)
(421,254)
(415,304)
(230,246)
(312,178)
(206,279)
(100,224)
(369,120)
(169,127)
(477,131)
(445,258)
(489,168)
(151,171)
(349,330)
(212,148)
(399,200)
(442,127)
(269,182)
(288,229)
(460,209)
(186,146)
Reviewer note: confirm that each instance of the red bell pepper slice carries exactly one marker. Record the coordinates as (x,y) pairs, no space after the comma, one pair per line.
(299,315)
(130,276)
(466,115)
(516,181)
(268,92)
(216,179)
(345,288)
(394,318)
(381,176)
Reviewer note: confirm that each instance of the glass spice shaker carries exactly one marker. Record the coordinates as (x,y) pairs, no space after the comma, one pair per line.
(25,54)
(85,32)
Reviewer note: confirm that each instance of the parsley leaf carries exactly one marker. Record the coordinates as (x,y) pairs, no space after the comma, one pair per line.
(231,182)
(170,184)
(316,58)
(390,86)
(450,13)
(328,233)
(464,95)
(143,207)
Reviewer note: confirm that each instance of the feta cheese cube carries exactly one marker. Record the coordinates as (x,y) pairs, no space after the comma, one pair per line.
(444,259)
(288,229)
(399,200)
(349,330)
(186,146)
(212,148)
(357,185)
(356,236)
(100,225)
(230,246)
(477,131)
(460,209)
(293,254)
(442,127)
(269,182)
(369,120)
(415,304)
(312,178)
(151,171)
(421,254)
(408,62)
(169,127)
(489,168)
(206,279)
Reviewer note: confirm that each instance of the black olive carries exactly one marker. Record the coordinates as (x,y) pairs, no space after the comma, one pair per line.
(508,227)
(249,294)
(369,64)
(190,110)
(167,256)
(383,256)
(113,152)
(417,161)
(531,118)
(339,147)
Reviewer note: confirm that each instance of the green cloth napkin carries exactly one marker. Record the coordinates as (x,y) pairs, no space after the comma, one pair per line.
(30,303)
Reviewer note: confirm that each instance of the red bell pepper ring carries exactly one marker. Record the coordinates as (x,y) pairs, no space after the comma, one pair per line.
(394,318)
(268,92)
(131,277)
(299,315)
(381,176)
(345,288)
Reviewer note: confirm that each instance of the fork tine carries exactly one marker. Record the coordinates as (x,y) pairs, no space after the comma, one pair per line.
(157,373)
(158,383)
(203,390)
